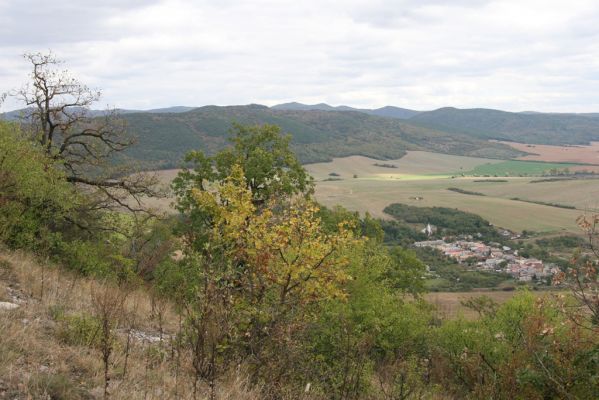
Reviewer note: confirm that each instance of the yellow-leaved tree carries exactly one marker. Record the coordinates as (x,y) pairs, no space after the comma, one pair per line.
(258,273)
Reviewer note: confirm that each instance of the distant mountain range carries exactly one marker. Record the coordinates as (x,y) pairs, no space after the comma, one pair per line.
(535,128)
(18,114)
(387,111)
(320,132)
(317,135)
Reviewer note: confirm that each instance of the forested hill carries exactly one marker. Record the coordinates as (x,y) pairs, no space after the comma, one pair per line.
(317,135)
(320,132)
(525,127)
(387,111)
(537,128)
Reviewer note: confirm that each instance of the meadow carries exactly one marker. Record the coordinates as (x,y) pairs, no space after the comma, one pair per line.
(517,168)
(422,179)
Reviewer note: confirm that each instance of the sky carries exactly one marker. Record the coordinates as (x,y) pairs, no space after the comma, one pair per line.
(421,54)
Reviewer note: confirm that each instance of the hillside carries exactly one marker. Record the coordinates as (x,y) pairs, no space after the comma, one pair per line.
(52,337)
(19,114)
(164,138)
(536,128)
(387,111)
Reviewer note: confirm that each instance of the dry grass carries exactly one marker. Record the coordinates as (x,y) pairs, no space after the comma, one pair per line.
(41,359)
(37,362)
(449,304)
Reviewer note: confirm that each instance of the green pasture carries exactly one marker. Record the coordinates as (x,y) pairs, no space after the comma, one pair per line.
(517,168)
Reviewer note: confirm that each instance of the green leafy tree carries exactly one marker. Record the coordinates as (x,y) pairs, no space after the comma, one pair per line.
(271,171)
(34,194)
(256,276)
(270,167)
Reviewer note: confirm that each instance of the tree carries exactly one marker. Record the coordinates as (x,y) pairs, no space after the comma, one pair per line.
(270,170)
(270,167)
(59,117)
(582,278)
(34,196)
(255,276)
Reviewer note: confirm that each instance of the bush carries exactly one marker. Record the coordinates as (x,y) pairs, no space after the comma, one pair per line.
(78,329)
(34,194)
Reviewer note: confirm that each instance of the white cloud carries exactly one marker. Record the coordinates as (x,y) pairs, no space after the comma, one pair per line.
(512,54)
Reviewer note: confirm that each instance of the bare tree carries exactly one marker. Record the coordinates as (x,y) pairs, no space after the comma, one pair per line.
(108,303)
(58,110)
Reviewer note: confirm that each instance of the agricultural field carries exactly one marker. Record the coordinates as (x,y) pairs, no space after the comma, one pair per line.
(518,168)
(422,179)
(569,154)
(414,165)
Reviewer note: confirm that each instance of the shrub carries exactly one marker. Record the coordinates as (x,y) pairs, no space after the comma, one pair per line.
(78,329)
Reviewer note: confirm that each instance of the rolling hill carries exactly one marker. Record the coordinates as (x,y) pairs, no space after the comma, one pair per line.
(19,114)
(387,111)
(164,138)
(321,132)
(527,127)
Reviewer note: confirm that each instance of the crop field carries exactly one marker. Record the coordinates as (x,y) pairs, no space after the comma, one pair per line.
(414,165)
(516,168)
(422,179)
(571,154)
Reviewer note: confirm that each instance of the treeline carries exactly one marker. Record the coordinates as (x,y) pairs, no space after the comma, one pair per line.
(464,191)
(448,221)
(297,300)
(545,203)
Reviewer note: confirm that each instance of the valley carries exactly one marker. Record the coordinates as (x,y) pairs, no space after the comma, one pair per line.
(422,179)
(308,200)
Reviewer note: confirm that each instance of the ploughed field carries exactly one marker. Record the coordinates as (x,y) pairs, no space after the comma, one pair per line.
(573,154)
(422,179)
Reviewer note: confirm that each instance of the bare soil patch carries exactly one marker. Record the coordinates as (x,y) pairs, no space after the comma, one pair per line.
(574,154)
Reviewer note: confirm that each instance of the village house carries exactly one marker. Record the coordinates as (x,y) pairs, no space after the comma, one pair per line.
(493,257)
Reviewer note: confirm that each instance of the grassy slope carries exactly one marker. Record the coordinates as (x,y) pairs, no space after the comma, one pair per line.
(38,358)
(163,139)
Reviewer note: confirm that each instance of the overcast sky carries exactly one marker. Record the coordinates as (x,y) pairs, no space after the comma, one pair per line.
(421,54)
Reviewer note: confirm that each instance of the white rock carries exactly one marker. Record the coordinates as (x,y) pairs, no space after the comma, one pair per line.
(8,306)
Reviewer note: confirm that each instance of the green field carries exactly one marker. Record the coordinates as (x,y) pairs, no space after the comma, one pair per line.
(422,179)
(517,168)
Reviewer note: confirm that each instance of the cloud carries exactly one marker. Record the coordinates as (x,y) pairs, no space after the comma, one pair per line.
(423,54)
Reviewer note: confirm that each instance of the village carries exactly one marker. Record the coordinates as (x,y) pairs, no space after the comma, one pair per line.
(493,257)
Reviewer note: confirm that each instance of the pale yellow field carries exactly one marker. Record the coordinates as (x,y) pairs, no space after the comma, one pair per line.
(422,179)
(414,165)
